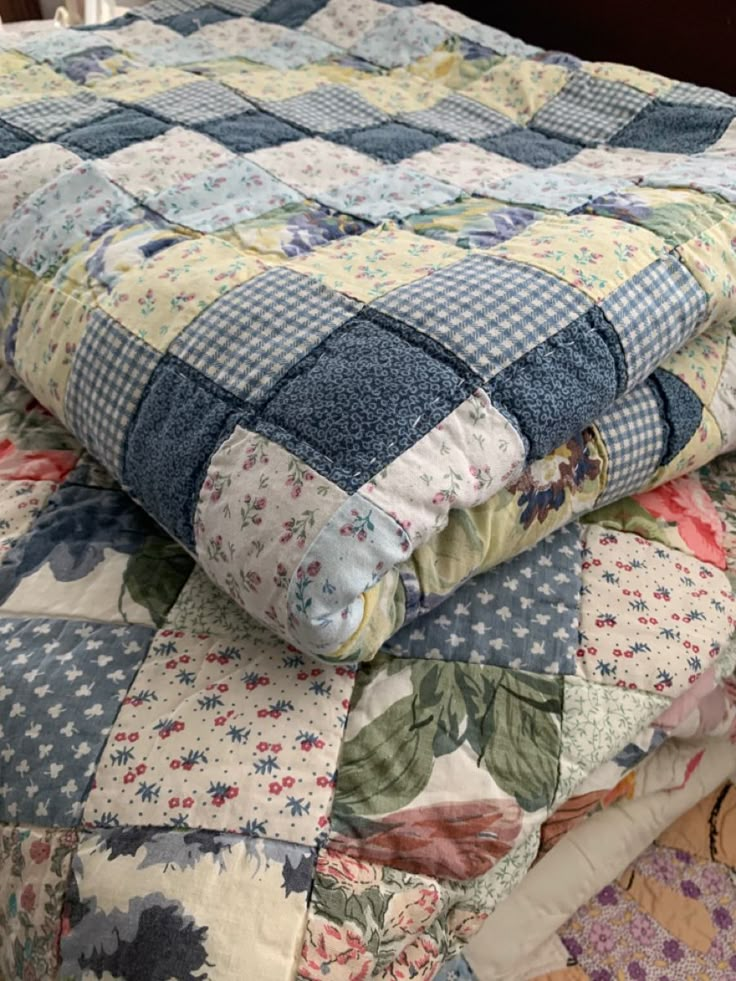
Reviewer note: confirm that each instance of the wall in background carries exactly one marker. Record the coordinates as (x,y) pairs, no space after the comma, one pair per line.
(690,41)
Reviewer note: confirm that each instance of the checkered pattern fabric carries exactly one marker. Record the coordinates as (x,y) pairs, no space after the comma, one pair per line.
(328,109)
(111,369)
(685,93)
(241,8)
(286,315)
(512,309)
(460,118)
(590,110)
(633,431)
(196,103)
(50,118)
(654,313)
(159,10)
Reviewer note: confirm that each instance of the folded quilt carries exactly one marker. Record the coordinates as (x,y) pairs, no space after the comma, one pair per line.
(319,283)
(180,789)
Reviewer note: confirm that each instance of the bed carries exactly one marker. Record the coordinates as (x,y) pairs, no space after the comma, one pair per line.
(364,370)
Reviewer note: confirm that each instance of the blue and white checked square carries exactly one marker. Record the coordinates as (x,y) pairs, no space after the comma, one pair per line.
(633,431)
(685,93)
(248,338)
(460,118)
(590,110)
(196,103)
(510,310)
(654,313)
(242,8)
(50,118)
(328,109)
(161,9)
(110,370)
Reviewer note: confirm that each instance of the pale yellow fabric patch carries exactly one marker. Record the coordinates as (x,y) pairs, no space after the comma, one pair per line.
(51,327)
(518,87)
(273,85)
(711,258)
(188,277)
(33,84)
(700,362)
(371,265)
(411,95)
(561,245)
(637,78)
(139,84)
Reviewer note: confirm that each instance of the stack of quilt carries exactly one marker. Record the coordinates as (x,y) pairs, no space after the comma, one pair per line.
(359,363)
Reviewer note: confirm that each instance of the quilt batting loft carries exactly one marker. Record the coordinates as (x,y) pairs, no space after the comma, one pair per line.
(400,343)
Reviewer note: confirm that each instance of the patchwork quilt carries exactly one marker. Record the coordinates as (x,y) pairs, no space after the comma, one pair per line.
(336,289)
(359,363)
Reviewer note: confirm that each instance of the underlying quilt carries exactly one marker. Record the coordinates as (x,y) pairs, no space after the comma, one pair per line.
(182,793)
(334,289)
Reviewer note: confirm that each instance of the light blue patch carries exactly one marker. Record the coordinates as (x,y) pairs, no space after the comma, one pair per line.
(391,192)
(562,192)
(221,196)
(523,614)
(351,554)
(61,214)
(292,52)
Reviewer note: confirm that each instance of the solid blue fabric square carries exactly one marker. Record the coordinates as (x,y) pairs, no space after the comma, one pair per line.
(367,393)
(526,146)
(390,142)
(193,20)
(560,386)
(250,131)
(668,128)
(11,141)
(111,133)
(681,409)
(288,13)
(181,420)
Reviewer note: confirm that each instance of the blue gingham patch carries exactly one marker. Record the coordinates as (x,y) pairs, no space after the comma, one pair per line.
(110,370)
(654,313)
(161,9)
(511,309)
(50,118)
(328,109)
(196,103)
(590,110)
(241,8)
(460,118)
(685,93)
(287,315)
(633,431)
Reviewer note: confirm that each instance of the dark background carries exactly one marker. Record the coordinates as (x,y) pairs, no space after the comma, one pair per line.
(691,40)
